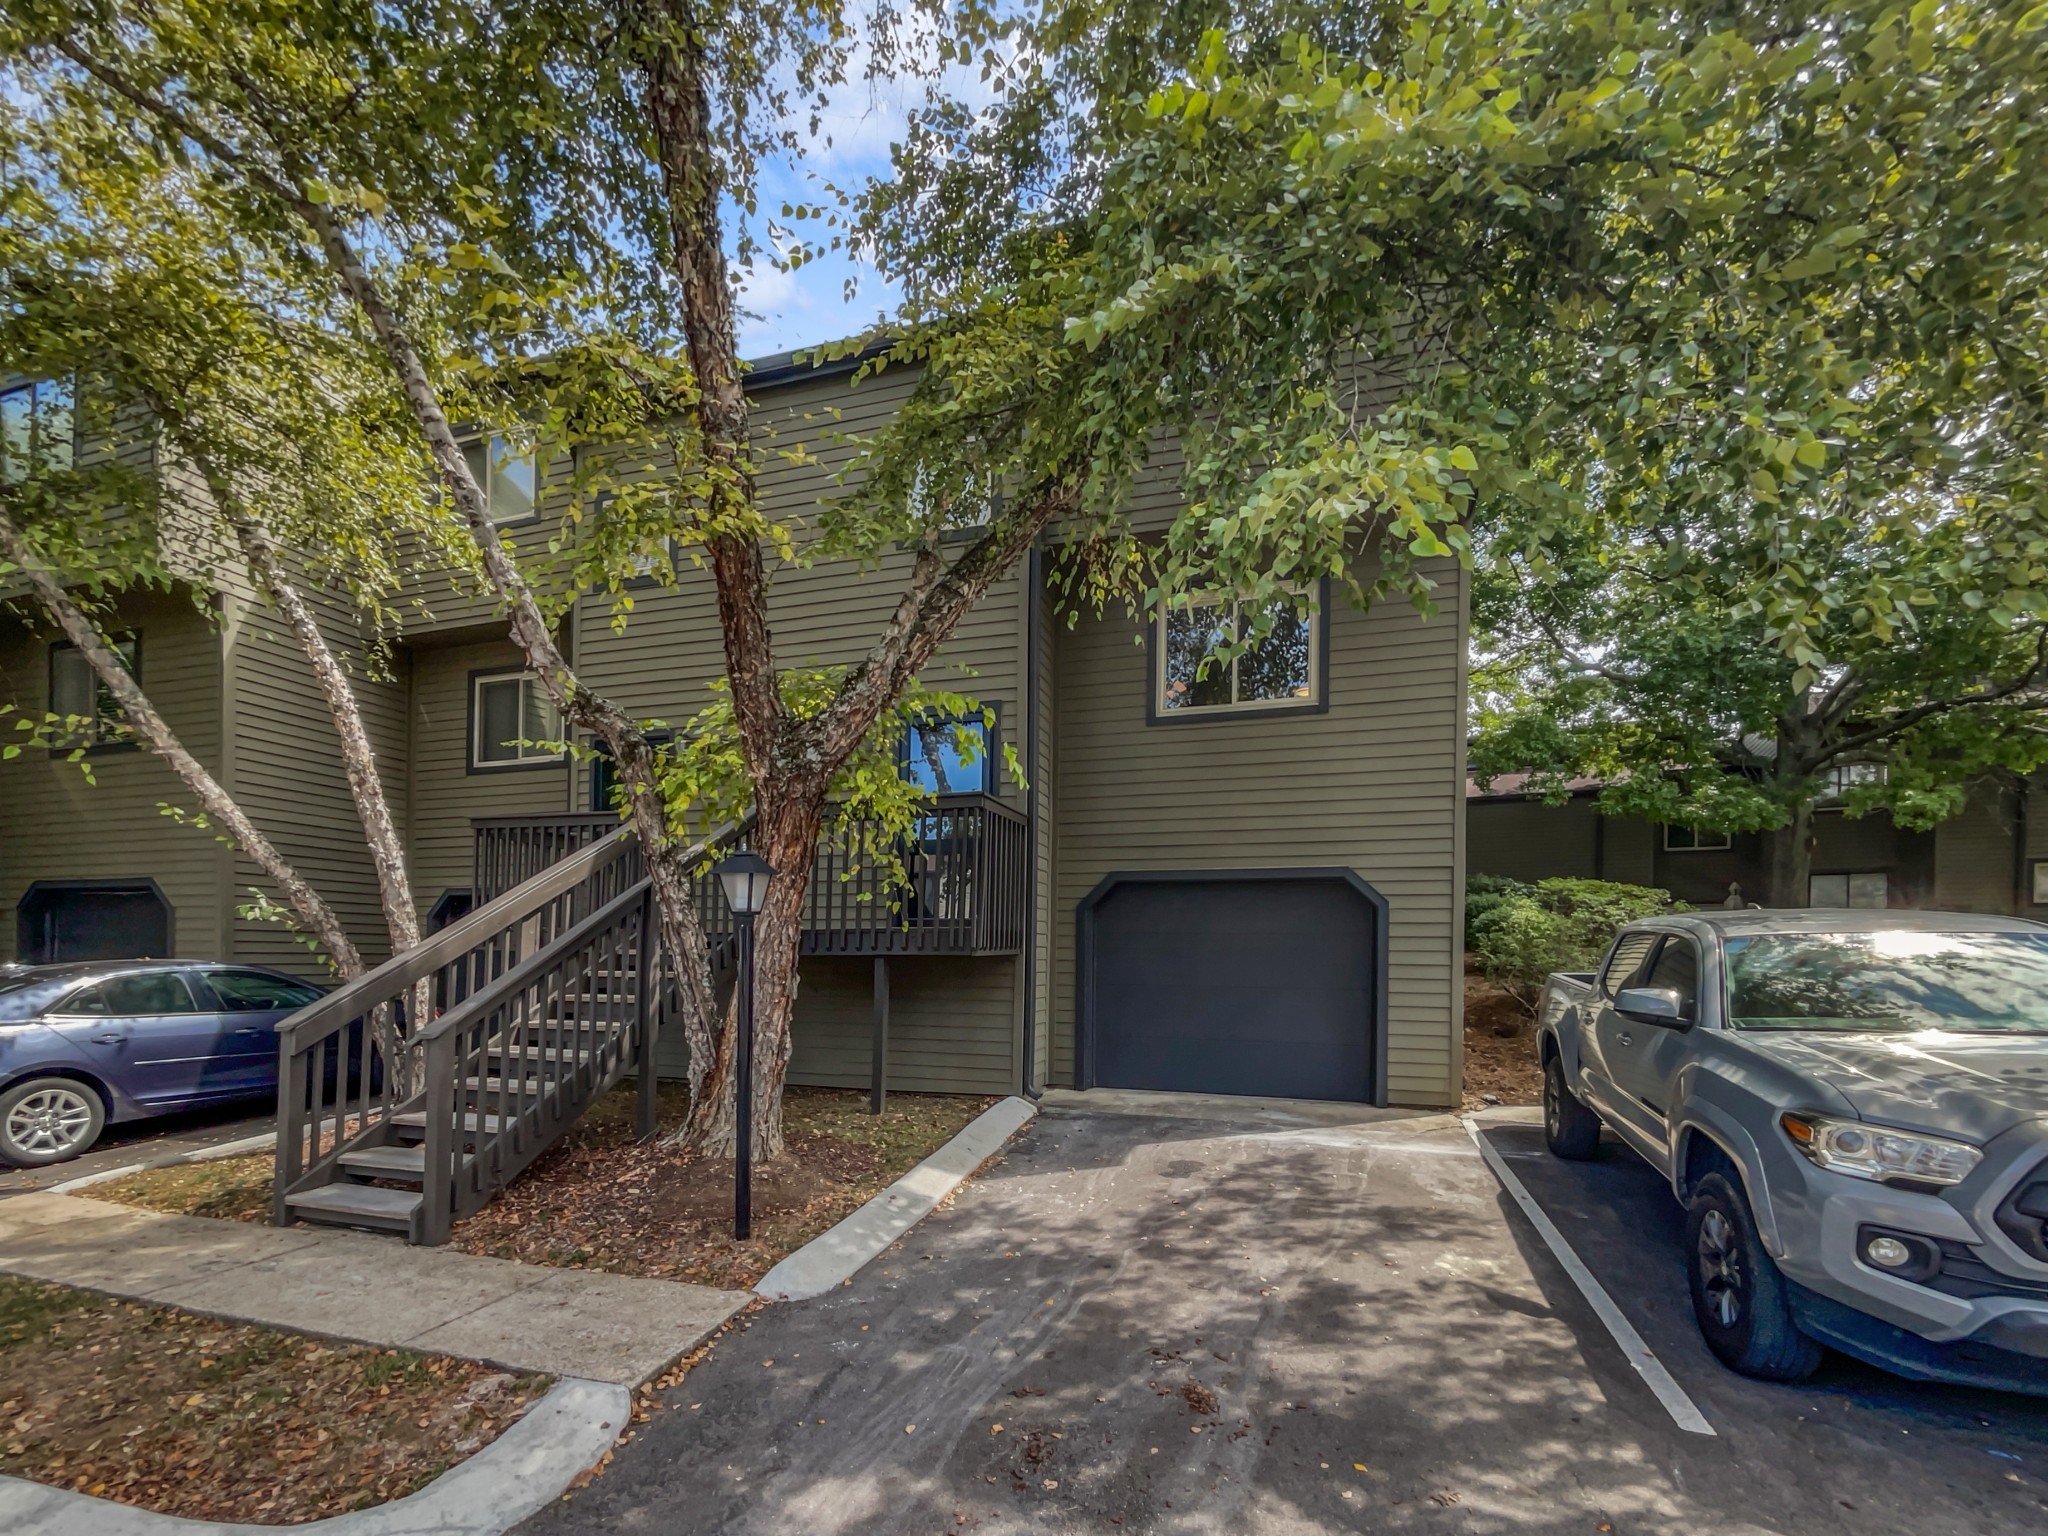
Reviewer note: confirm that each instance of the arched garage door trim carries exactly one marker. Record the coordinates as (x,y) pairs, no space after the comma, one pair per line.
(28,911)
(1087,969)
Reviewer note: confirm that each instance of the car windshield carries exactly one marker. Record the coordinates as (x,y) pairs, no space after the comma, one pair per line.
(1892,980)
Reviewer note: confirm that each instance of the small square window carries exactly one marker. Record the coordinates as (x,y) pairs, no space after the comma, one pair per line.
(506,473)
(949,757)
(1678,839)
(513,722)
(2040,892)
(38,430)
(1870,890)
(1279,671)
(80,697)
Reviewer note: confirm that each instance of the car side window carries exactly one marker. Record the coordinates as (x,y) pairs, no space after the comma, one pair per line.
(1630,951)
(256,992)
(1678,967)
(151,993)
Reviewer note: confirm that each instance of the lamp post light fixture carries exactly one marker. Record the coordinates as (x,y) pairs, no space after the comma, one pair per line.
(745,877)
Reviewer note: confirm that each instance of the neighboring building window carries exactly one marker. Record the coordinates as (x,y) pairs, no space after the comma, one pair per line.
(1278,672)
(505,472)
(1679,839)
(513,723)
(78,693)
(2041,882)
(934,759)
(1843,777)
(37,428)
(1865,890)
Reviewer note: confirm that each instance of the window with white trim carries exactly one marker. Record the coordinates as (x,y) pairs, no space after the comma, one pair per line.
(506,473)
(80,697)
(1279,671)
(38,428)
(1680,839)
(512,722)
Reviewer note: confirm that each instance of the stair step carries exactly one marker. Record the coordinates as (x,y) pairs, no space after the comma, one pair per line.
(536,1053)
(413,1122)
(358,1205)
(387,1163)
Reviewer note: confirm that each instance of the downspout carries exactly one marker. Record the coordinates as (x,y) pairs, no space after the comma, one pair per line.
(1034,577)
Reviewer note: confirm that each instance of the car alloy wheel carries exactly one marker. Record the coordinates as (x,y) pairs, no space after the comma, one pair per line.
(1721,1272)
(50,1123)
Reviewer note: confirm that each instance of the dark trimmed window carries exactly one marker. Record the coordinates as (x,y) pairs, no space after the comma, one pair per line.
(1679,839)
(82,698)
(1280,671)
(950,757)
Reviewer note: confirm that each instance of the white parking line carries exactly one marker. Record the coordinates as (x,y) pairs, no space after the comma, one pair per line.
(1681,1408)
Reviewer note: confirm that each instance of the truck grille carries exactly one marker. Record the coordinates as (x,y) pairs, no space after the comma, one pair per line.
(1964,1274)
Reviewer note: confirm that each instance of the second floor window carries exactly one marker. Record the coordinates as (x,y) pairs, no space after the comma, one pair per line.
(512,722)
(949,757)
(1279,671)
(37,430)
(78,694)
(505,473)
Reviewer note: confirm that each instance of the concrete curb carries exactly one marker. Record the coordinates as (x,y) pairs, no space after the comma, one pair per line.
(834,1256)
(217,1154)
(532,1463)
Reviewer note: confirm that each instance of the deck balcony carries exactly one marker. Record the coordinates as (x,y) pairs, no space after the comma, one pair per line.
(957,884)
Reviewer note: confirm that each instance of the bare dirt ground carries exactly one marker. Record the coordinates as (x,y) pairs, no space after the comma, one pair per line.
(600,1200)
(215,1421)
(1500,1048)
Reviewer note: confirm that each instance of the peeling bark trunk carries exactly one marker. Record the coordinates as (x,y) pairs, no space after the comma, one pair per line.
(312,909)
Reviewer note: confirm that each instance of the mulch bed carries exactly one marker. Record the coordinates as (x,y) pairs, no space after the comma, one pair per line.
(600,1200)
(1500,1048)
(218,1421)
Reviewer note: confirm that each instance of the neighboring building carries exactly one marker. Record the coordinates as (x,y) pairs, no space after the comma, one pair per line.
(1250,886)
(1993,857)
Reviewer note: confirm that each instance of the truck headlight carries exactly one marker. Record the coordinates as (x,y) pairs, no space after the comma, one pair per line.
(1877,1152)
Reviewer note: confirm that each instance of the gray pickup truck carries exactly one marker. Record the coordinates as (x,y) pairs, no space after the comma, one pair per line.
(1853,1109)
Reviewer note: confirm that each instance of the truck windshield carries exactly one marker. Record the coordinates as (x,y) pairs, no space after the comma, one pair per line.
(1897,980)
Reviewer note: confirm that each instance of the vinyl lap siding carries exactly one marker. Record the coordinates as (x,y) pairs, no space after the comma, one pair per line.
(288,775)
(1375,784)
(444,793)
(59,827)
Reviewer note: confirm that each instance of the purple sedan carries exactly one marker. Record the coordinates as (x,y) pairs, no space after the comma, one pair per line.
(110,1040)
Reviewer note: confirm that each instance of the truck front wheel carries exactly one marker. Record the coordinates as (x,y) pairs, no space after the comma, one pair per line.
(1570,1129)
(1738,1296)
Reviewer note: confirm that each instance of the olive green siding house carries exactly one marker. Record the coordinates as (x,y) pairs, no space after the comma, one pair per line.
(1992,857)
(1244,883)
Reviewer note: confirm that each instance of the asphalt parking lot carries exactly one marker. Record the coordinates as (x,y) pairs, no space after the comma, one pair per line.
(1146,1324)
(1852,1445)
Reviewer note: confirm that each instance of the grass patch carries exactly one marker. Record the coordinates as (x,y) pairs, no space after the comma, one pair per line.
(221,1421)
(600,1200)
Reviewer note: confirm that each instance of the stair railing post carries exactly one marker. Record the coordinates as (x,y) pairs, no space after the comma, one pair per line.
(647,1015)
(291,1106)
(445,1109)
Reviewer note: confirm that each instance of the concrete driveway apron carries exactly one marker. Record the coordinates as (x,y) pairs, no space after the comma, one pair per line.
(1226,1321)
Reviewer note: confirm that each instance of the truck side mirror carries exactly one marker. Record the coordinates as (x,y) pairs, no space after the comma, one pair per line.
(1652,1005)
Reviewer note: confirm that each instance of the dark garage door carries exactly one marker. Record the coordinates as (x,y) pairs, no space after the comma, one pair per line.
(1229,985)
(92,922)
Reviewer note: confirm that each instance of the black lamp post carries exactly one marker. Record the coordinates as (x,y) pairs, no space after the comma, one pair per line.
(745,877)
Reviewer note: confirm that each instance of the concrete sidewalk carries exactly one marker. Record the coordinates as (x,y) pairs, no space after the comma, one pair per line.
(371,1290)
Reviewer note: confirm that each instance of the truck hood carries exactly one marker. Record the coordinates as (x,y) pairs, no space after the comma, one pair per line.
(1969,1086)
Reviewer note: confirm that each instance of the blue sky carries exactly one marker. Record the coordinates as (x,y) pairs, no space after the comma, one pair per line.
(809,305)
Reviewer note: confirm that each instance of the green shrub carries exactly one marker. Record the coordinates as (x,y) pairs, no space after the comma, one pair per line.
(1484,896)
(1559,925)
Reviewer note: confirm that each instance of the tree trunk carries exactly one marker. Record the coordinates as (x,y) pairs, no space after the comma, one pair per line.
(1791,861)
(313,911)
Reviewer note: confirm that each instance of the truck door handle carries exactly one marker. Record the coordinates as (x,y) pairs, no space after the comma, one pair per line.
(1627,1039)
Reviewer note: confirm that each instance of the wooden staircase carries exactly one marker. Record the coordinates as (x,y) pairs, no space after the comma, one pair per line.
(409,1097)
